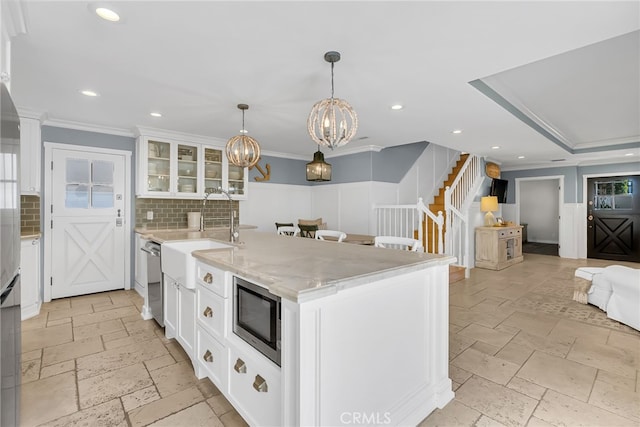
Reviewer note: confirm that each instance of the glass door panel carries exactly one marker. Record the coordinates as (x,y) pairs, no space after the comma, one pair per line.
(236,180)
(158,166)
(187,169)
(212,168)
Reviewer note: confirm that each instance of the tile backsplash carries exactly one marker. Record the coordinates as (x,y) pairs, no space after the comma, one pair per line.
(29,215)
(172,213)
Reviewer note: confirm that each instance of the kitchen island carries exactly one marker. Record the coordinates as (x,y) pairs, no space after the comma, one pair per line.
(364,331)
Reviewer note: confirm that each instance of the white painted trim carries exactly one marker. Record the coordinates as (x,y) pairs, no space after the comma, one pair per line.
(582,207)
(562,233)
(47,193)
(354,150)
(177,136)
(67,124)
(27,113)
(576,163)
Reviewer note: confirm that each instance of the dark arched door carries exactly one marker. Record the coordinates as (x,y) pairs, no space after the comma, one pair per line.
(613,218)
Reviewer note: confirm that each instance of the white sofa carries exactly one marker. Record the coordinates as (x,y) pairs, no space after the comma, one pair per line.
(616,290)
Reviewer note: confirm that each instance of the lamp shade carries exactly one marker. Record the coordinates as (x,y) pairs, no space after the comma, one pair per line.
(489,204)
(318,169)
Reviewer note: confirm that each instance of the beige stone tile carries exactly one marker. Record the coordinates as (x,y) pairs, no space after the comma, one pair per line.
(59,322)
(485,348)
(463,317)
(46,337)
(233,419)
(70,312)
(47,399)
(36,322)
(197,415)
(618,400)
(455,385)
(176,351)
(561,410)
(57,304)
(536,324)
(105,414)
(84,300)
(111,305)
(100,328)
(458,374)
(581,331)
(58,368)
(133,338)
(159,362)
(454,329)
(565,376)
(492,368)
(162,408)
(103,316)
(500,403)
(527,388)
(140,398)
(207,388)
(625,341)
(219,404)
(454,414)
(485,421)
(120,357)
(174,378)
(31,355)
(140,324)
(458,344)
(515,353)
(486,335)
(616,380)
(104,387)
(72,350)
(554,346)
(605,357)
(465,300)
(115,335)
(537,422)
(30,370)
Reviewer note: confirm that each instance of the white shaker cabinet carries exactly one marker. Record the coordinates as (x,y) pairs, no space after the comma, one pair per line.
(30,155)
(30,299)
(179,314)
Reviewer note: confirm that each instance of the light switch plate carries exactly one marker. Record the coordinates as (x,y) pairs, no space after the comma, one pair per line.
(149,215)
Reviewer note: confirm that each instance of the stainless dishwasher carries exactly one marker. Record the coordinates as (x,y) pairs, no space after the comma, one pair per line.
(154,281)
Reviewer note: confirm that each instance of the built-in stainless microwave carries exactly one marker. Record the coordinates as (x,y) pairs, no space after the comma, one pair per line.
(256,317)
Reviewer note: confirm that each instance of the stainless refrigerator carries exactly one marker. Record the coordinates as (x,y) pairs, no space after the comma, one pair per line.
(10,332)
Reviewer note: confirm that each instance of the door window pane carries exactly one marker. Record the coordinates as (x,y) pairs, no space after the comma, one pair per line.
(102,172)
(77,196)
(77,171)
(102,196)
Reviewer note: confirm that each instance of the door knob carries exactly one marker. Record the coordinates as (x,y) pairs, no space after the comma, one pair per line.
(590,217)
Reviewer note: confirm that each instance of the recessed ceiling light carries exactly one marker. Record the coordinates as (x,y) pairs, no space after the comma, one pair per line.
(89,92)
(107,14)
(521,157)
(456,131)
(495,147)
(155,114)
(397,107)
(629,154)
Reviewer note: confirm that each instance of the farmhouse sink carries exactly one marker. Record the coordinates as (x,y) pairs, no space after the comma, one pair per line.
(178,263)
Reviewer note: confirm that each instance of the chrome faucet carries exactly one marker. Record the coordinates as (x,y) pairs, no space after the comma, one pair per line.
(233,230)
(207,193)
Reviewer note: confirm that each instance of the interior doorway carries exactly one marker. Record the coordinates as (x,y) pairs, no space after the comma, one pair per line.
(539,200)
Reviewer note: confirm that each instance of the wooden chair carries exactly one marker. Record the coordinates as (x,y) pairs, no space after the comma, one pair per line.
(288,231)
(308,230)
(321,234)
(394,242)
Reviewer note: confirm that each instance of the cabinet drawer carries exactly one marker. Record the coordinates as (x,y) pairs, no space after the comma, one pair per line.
(212,312)
(211,278)
(255,388)
(212,359)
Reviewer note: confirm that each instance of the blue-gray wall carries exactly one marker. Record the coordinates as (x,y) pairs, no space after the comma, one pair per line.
(573,177)
(388,165)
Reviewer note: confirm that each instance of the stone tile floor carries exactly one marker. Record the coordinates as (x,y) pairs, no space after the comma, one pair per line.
(521,353)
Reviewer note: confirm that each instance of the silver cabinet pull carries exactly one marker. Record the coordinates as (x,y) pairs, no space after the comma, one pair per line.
(260,384)
(208,278)
(240,367)
(208,357)
(208,312)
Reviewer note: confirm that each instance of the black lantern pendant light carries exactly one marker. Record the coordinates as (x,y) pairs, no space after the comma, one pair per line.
(318,170)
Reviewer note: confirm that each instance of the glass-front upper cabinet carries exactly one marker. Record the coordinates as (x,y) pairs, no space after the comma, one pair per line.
(188,165)
(158,167)
(212,168)
(236,181)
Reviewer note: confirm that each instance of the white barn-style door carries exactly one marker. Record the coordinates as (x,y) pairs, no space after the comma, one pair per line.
(87,222)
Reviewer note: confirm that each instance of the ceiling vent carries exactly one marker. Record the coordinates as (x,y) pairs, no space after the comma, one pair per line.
(558,160)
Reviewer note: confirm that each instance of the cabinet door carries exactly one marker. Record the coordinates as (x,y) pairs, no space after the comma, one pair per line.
(212,358)
(170,306)
(212,168)
(158,166)
(30,156)
(187,158)
(187,319)
(236,183)
(141,266)
(30,277)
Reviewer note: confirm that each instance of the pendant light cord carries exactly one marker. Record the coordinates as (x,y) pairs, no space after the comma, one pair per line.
(332,80)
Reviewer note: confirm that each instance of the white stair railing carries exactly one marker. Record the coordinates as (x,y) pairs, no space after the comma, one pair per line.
(403,220)
(457,199)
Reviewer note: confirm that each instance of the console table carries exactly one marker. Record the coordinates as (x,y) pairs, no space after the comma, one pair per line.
(498,247)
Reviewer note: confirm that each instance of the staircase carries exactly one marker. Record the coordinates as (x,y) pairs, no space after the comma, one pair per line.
(438,201)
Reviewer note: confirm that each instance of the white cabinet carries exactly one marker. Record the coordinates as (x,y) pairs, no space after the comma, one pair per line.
(30,155)
(140,283)
(30,299)
(179,314)
(177,166)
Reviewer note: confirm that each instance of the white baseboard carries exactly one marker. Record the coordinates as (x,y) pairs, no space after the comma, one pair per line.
(30,311)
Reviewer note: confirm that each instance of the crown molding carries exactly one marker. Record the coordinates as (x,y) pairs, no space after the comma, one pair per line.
(182,136)
(353,150)
(286,155)
(28,113)
(87,127)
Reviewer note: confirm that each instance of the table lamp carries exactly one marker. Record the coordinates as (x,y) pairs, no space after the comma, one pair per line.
(489,204)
